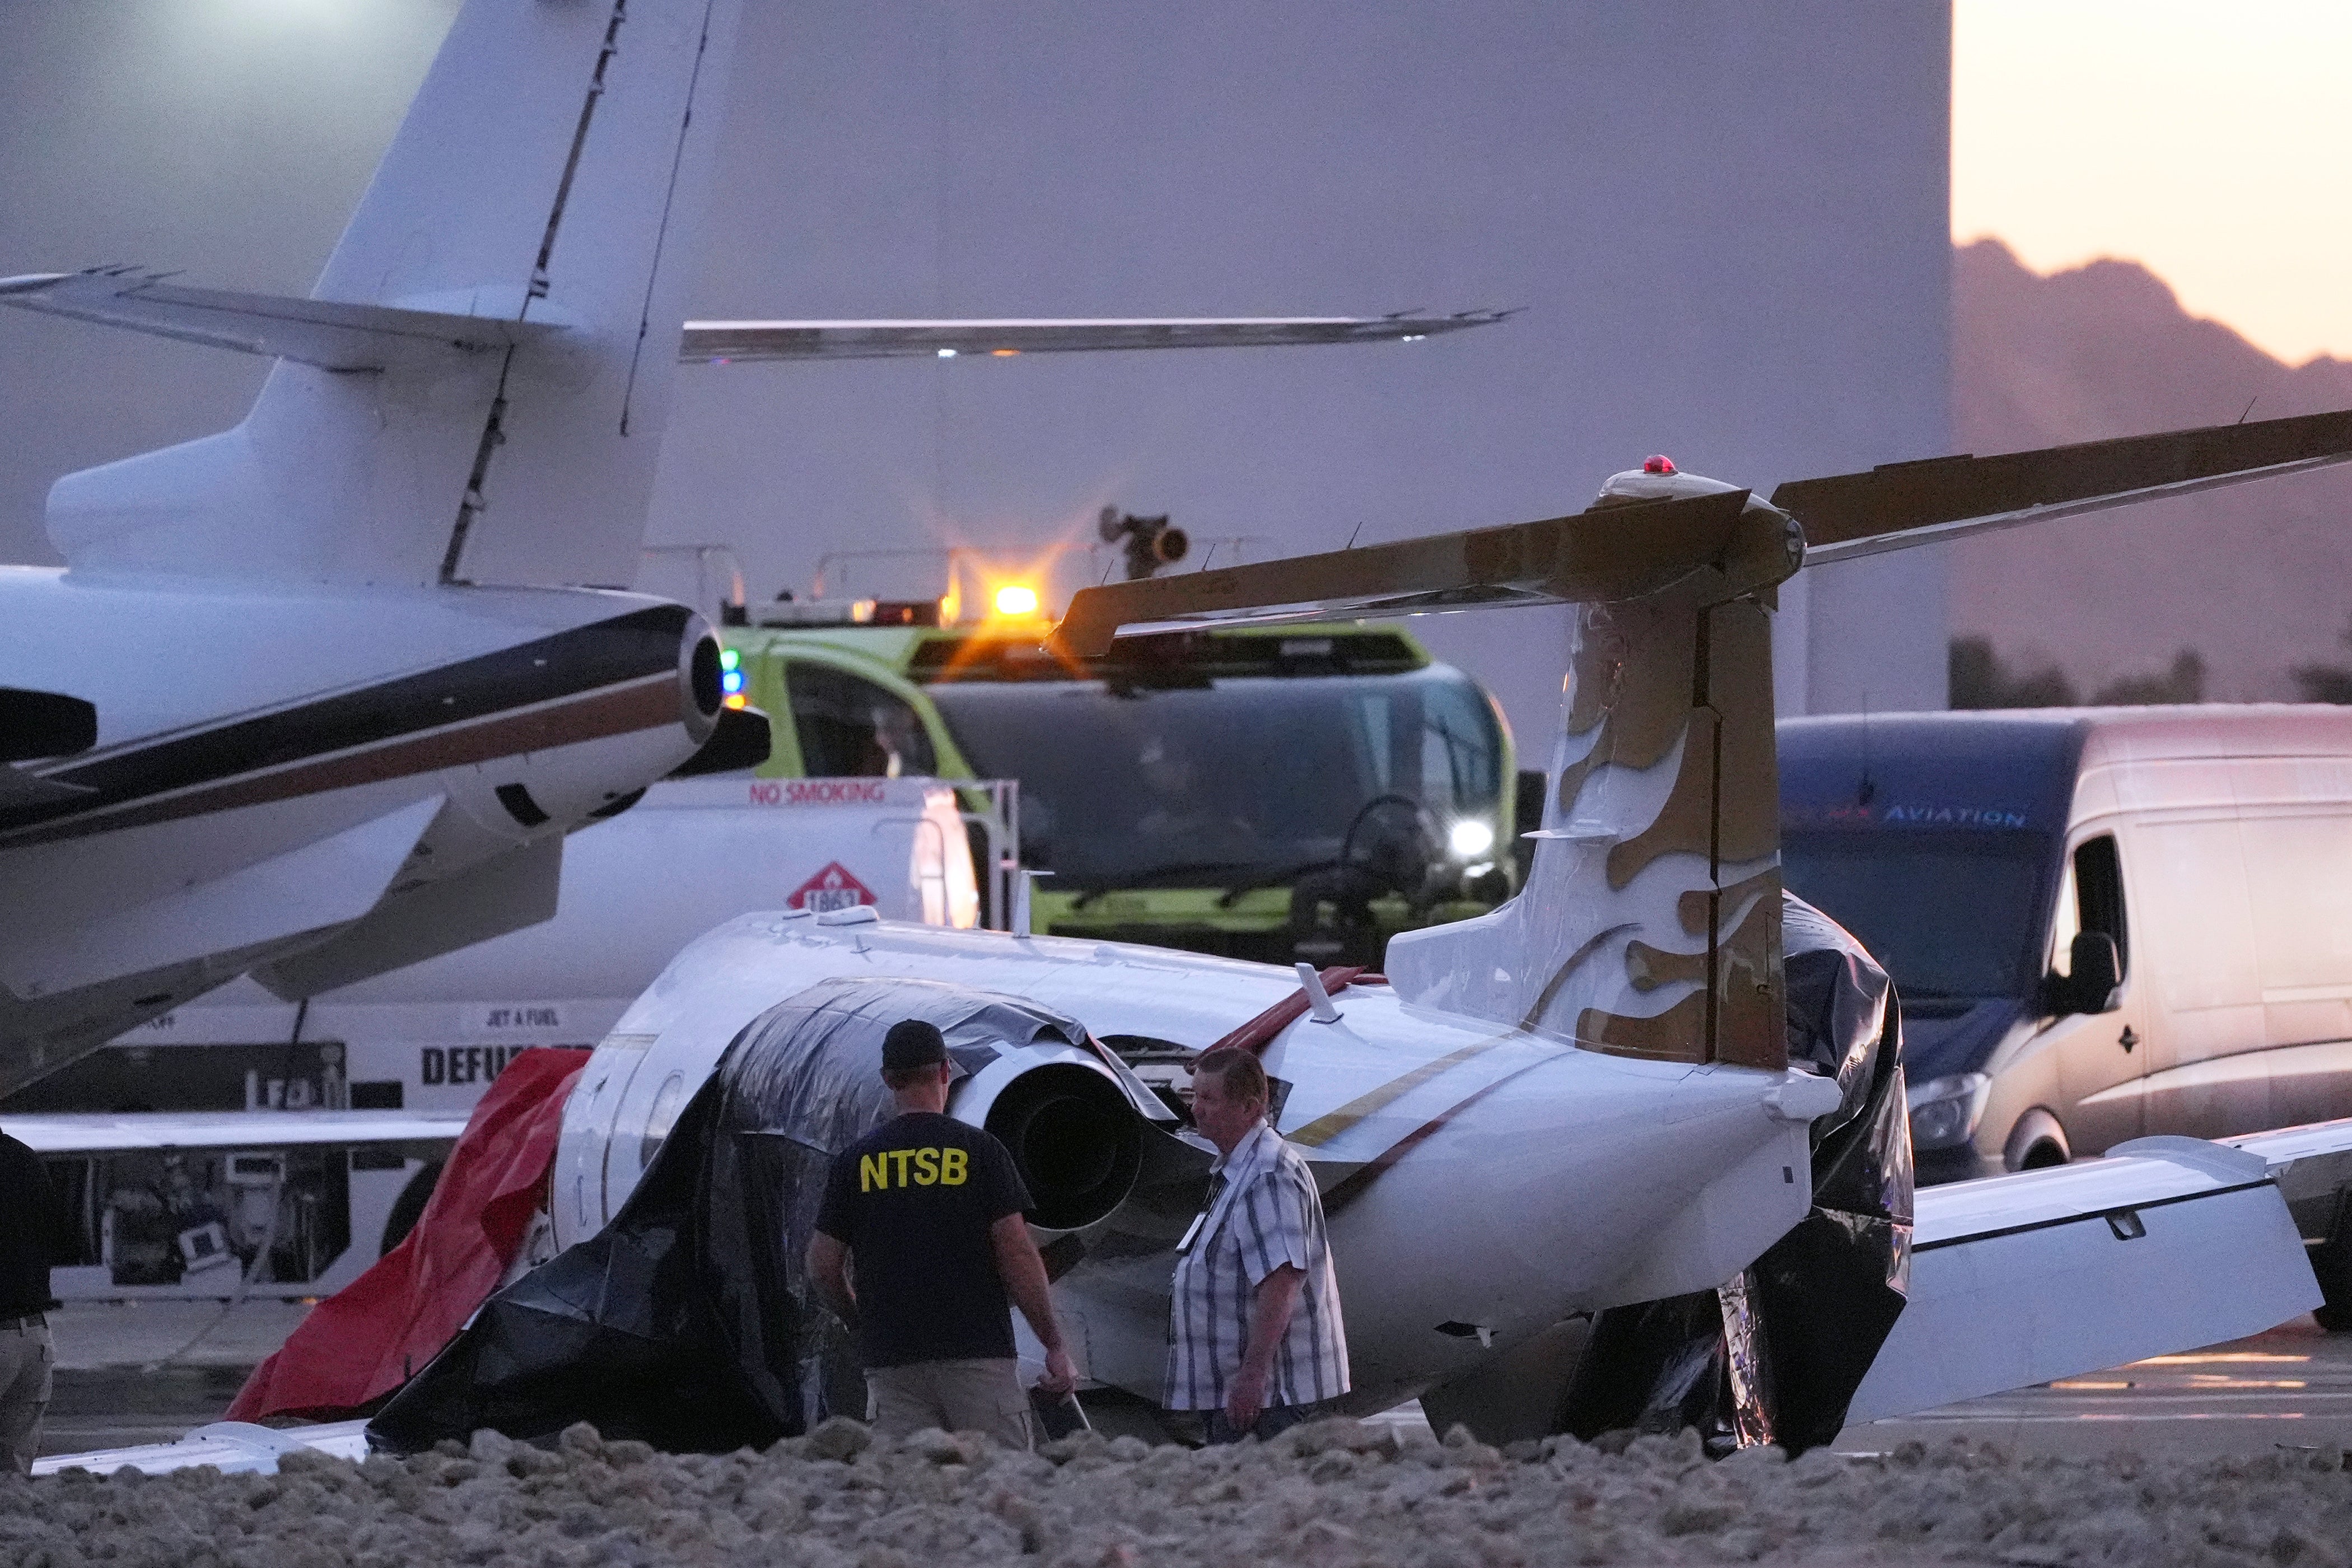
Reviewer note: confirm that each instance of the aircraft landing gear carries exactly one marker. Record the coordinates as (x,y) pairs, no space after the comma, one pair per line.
(2331,1260)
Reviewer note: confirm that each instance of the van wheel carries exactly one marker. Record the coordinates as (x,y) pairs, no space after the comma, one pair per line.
(2036,1143)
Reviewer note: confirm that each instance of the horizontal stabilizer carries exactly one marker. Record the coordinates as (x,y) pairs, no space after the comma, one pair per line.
(418,1134)
(1607,553)
(1902,504)
(727,343)
(2168,1244)
(336,335)
(1618,548)
(329,333)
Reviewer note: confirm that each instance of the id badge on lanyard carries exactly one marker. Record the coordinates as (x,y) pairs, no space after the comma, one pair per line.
(1193,1231)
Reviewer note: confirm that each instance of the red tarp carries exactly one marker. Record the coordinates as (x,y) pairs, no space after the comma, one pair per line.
(364,1340)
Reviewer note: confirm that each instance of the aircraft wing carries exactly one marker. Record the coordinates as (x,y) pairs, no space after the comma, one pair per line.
(1623,549)
(419,1134)
(329,333)
(729,342)
(2168,1244)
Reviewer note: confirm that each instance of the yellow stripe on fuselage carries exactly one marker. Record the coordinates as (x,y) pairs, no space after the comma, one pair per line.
(1331,1124)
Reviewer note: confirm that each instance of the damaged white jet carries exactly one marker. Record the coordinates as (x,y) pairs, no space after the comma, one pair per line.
(1628,1152)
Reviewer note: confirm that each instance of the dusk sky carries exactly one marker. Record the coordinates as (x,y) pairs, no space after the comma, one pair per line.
(2211,142)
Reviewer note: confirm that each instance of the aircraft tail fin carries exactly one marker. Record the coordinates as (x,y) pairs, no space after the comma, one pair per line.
(1650,923)
(552,171)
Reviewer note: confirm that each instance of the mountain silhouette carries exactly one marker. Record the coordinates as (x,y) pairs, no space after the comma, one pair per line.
(2255,579)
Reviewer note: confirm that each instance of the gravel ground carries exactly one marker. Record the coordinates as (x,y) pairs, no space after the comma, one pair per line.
(1331,1494)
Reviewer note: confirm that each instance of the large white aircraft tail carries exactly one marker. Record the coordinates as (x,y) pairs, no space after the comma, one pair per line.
(553,171)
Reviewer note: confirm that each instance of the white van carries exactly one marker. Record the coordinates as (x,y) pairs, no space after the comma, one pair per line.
(2104,923)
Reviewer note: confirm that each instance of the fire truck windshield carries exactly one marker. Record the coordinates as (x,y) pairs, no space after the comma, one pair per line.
(1229,783)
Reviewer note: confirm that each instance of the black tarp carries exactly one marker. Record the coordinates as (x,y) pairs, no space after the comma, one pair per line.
(688,1322)
(1776,1355)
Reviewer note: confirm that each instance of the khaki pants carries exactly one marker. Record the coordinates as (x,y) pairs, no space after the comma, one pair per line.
(25,1363)
(974,1395)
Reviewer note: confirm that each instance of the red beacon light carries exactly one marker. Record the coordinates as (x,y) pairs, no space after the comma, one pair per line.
(1658,463)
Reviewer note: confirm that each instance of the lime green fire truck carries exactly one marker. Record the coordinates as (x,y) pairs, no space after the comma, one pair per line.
(1281,794)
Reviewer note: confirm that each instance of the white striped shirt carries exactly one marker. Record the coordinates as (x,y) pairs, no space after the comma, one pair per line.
(1267,1214)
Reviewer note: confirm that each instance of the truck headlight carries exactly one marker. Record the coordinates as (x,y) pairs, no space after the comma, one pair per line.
(1943,1111)
(1470,838)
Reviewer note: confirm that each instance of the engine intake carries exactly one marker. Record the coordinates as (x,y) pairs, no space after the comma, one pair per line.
(1075,1139)
(702,695)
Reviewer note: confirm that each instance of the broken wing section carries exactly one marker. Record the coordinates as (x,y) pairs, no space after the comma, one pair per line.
(2168,1244)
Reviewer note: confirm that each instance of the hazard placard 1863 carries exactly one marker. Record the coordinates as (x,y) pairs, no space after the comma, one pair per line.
(831,889)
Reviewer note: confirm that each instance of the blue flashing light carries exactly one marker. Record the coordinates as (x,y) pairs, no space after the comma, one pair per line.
(732,681)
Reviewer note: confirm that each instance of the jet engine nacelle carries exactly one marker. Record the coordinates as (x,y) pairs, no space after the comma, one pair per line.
(1080,1135)
(558,787)
(636,695)
(1067,1122)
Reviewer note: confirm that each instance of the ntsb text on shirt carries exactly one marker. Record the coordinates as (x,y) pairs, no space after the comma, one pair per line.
(930,1167)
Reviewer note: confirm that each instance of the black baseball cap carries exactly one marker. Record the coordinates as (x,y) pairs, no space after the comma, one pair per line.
(911,1042)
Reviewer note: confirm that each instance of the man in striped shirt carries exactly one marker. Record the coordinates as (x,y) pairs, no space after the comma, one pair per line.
(1255,1336)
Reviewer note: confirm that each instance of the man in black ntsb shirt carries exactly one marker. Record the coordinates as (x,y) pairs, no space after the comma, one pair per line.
(26,1221)
(928,1211)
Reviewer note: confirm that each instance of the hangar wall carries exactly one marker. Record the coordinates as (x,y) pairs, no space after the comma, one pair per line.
(1726,223)
(1727,226)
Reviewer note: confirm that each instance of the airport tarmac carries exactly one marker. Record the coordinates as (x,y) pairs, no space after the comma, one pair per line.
(2290,1389)
(145,1372)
